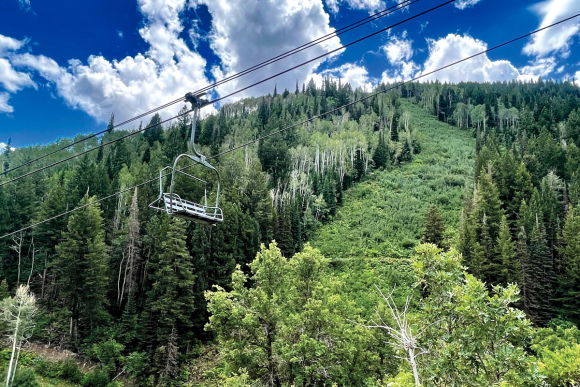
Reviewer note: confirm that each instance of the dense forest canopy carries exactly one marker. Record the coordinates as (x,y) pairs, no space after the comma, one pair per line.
(150,296)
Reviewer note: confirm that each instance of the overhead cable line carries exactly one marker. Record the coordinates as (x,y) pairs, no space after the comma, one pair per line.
(300,123)
(233,93)
(258,66)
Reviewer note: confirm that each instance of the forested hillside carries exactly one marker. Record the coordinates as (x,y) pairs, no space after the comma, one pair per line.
(487,172)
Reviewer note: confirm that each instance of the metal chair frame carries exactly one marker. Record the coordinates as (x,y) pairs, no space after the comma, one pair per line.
(174,205)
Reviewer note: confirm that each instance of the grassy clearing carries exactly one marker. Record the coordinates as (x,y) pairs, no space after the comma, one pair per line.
(383,216)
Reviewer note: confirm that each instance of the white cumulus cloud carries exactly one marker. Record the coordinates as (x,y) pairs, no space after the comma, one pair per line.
(462,4)
(368,5)
(269,28)
(11,80)
(134,84)
(455,47)
(557,38)
(398,49)
(541,67)
(355,75)
(4,107)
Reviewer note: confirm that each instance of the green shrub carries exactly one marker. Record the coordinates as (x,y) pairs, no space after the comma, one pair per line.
(96,378)
(67,369)
(23,378)
(70,371)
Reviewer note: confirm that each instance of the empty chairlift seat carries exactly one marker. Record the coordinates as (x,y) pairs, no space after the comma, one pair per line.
(170,202)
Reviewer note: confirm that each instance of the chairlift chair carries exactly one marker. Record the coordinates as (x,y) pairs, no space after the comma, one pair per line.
(171,202)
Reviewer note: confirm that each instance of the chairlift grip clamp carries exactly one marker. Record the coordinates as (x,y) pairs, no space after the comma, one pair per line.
(195,100)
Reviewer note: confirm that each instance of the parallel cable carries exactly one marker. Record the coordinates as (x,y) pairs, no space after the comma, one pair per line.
(303,122)
(93,149)
(206,88)
(235,92)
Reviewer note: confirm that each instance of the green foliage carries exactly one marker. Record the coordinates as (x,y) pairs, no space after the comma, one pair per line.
(64,369)
(558,352)
(95,378)
(434,227)
(108,353)
(82,267)
(386,212)
(292,323)
(476,337)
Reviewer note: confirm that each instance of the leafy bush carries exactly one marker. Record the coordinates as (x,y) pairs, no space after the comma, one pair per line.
(67,369)
(96,378)
(23,378)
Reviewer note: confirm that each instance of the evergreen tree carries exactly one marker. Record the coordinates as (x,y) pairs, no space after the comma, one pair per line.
(542,276)
(381,153)
(111,124)
(510,268)
(522,189)
(154,130)
(569,279)
(284,232)
(434,228)
(395,128)
(573,127)
(490,204)
(81,268)
(169,303)
(297,89)
(4,293)
(275,91)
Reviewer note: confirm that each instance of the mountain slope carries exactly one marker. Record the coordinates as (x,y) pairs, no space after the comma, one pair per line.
(383,216)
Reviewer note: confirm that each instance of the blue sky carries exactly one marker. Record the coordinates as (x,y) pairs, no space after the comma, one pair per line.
(66,65)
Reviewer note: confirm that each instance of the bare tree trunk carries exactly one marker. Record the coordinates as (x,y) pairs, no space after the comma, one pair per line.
(13,350)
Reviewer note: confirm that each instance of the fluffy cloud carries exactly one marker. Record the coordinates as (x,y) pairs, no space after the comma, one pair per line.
(10,79)
(539,68)
(369,5)
(558,38)
(462,4)
(355,75)
(479,69)
(134,84)
(399,51)
(169,69)
(269,28)
(4,107)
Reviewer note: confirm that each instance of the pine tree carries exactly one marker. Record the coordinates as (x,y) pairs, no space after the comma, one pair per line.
(297,89)
(522,189)
(4,290)
(81,267)
(381,153)
(395,128)
(275,91)
(170,301)
(129,322)
(523,257)
(490,204)
(284,232)
(111,124)
(154,131)
(510,268)
(542,276)
(434,228)
(569,279)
